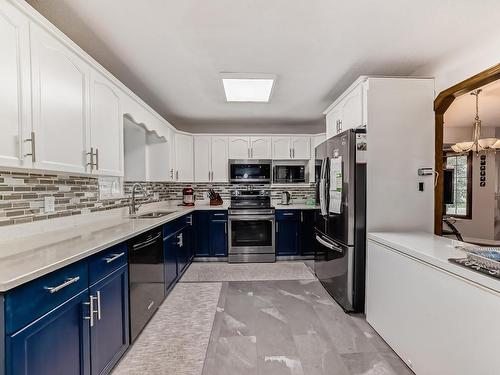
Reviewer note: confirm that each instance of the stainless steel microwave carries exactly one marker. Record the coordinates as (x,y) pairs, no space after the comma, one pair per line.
(290,172)
(250,171)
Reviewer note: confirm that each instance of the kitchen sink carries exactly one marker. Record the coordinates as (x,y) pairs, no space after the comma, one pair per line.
(153,215)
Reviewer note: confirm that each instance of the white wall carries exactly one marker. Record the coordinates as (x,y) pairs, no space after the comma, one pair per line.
(462,64)
(482,224)
(400,134)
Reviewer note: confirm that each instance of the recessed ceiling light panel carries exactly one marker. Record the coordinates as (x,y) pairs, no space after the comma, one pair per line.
(248,87)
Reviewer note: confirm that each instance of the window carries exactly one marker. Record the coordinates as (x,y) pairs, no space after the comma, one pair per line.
(461,165)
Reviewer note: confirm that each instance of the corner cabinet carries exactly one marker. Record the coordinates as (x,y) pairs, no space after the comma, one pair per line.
(60,92)
(184,163)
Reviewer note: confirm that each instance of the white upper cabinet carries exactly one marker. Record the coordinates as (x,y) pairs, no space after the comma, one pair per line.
(202,158)
(106,127)
(300,147)
(352,108)
(281,148)
(14,88)
(60,92)
(220,158)
(349,111)
(260,148)
(239,147)
(210,158)
(158,158)
(184,171)
(333,122)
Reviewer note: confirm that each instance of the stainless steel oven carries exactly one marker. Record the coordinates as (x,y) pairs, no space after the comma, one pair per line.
(251,235)
(250,171)
(251,222)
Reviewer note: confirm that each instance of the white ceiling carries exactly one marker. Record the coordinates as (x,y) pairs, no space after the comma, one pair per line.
(462,111)
(171,52)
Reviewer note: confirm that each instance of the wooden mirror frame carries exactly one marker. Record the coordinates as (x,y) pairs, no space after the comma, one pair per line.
(441,105)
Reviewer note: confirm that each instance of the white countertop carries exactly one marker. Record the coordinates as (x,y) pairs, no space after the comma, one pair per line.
(28,251)
(434,250)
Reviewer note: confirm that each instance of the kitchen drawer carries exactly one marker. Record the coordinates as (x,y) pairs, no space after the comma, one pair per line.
(107,261)
(218,215)
(287,214)
(28,302)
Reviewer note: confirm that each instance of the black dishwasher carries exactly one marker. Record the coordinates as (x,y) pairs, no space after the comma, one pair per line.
(146,278)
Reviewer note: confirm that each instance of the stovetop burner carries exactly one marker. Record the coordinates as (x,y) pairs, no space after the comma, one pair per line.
(471,264)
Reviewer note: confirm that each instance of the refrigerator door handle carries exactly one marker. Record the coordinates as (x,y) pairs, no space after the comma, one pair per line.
(328,244)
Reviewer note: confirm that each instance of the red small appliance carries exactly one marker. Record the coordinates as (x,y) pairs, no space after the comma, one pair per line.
(188,196)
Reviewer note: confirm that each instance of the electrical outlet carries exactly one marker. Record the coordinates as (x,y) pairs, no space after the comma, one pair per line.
(49,204)
(420,186)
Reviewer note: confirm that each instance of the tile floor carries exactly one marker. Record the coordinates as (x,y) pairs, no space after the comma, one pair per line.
(260,327)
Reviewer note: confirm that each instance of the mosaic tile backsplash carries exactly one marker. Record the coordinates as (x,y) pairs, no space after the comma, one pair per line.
(22,194)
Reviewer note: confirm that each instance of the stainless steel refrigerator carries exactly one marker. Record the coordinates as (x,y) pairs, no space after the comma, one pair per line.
(340,224)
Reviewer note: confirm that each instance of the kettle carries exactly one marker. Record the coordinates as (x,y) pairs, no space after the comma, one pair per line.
(285,198)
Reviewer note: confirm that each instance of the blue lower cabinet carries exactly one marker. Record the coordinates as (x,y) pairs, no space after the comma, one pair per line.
(55,344)
(307,239)
(202,233)
(109,334)
(210,233)
(182,249)
(218,238)
(287,232)
(170,257)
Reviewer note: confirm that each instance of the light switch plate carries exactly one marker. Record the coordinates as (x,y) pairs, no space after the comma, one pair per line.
(49,204)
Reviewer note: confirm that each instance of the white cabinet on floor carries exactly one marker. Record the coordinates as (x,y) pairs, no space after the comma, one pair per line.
(239,147)
(60,92)
(260,148)
(15,105)
(106,127)
(184,151)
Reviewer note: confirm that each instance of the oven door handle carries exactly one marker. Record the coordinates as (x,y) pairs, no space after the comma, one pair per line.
(251,217)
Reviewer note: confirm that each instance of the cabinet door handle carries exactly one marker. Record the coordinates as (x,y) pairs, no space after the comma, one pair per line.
(293,152)
(287,213)
(98,298)
(90,304)
(218,214)
(248,152)
(97,159)
(180,241)
(209,176)
(91,158)
(33,153)
(55,289)
(301,217)
(190,220)
(172,173)
(114,257)
(176,175)
(225,227)
(277,227)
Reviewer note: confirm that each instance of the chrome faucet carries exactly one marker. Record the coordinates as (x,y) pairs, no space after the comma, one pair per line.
(132,208)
